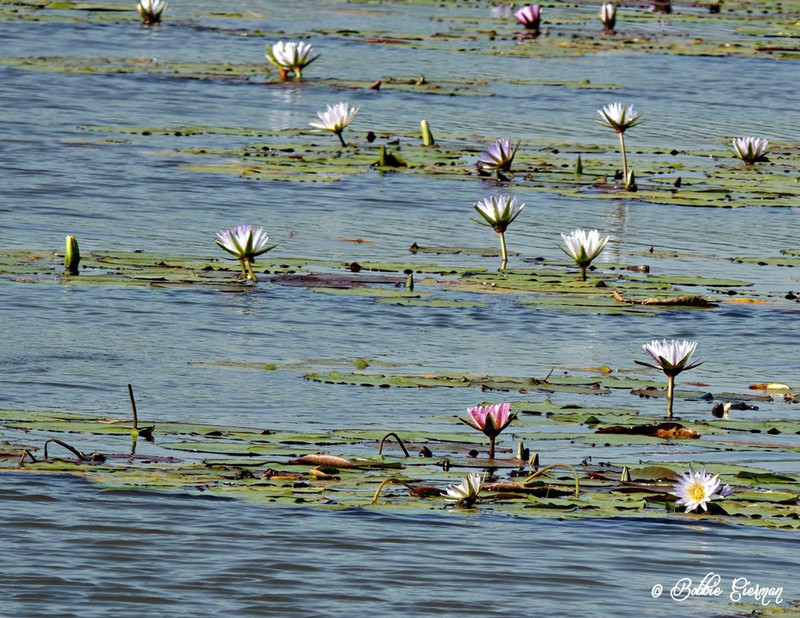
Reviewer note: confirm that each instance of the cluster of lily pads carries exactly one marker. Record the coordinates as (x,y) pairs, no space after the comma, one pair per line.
(246,242)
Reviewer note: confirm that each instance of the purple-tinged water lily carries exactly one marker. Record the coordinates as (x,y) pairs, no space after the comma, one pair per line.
(672,357)
(620,118)
(750,149)
(498,212)
(583,247)
(466,492)
(291,56)
(529,16)
(245,242)
(150,10)
(497,158)
(335,118)
(696,489)
(608,15)
(490,420)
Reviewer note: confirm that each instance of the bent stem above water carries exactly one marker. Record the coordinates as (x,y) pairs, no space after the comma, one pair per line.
(504,257)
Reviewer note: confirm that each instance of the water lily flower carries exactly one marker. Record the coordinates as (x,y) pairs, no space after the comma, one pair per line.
(466,492)
(750,149)
(335,118)
(490,420)
(608,15)
(583,247)
(498,212)
(245,242)
(620,118)
(672,357)
(150,10)
(696,489)
(498,157)
(529,16)
(72,255)
(291,56)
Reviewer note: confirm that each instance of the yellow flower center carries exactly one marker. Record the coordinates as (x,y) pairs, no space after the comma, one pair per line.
(697,492)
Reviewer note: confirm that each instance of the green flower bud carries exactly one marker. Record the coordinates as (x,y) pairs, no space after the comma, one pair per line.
(72,255)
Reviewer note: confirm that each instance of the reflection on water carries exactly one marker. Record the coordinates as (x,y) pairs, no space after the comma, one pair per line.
(71,548)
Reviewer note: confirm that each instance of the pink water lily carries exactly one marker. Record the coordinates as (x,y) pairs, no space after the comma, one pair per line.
(529,16)
(490,420)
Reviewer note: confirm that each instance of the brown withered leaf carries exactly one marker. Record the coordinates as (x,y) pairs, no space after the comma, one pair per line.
(667,430)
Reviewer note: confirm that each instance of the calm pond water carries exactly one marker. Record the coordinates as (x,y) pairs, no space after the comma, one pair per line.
(71,548)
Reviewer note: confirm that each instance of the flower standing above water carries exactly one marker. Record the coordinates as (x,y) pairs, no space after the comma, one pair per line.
(150,10)
(335,118)
(620,118)
(608,15)
(498,212)
(497,158)
(672,357)
(750,149)
(490,420)
(466,492)
(245,242)
(583,247)
(529,16)
(291,56)
(696,489)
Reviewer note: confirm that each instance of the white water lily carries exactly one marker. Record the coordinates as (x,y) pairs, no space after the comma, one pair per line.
(291,56)
(245,242)
(583,247)
(672,357)
(150,10)
(750,149)
(620,118)
(696,489)
(608,15)
(335,118)
(498,212)
(466,492)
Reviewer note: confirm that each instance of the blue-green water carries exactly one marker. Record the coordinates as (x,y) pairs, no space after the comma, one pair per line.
(70,548)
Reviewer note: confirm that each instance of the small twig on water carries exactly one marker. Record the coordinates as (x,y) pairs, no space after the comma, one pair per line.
(557,465)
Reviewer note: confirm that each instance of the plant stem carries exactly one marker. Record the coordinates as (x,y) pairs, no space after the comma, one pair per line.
(624,157)
(583,273)
(503,250)
(491,447)
(249,270)
(670,393)
(341,139)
